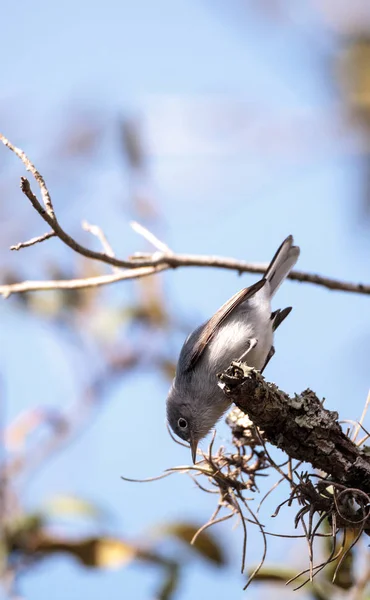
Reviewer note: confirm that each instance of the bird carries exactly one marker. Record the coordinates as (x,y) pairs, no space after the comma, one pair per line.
(242,329)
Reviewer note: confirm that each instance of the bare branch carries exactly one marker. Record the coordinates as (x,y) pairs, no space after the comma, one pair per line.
(38,177)
(98,232)
(159,261)
(359,424)
(150,237)
(65,237)
(33,241)
(76,284)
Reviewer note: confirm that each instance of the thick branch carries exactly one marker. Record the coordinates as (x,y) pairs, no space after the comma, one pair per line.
(300,426)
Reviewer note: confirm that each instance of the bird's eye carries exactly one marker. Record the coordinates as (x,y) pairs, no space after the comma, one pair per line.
(182,423)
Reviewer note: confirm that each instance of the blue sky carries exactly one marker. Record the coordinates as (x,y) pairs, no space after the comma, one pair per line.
(229,188)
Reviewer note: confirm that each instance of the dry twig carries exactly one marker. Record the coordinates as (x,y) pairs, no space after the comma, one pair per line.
(33,241)
(139,265)
(305,430)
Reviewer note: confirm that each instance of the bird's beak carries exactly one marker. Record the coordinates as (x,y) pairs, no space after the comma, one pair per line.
(194,446)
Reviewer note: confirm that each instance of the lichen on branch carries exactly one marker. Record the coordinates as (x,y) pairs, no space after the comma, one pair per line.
(299,425)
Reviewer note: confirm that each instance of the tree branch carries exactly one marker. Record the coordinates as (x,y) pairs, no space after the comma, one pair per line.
(65,237)
(300,426)
(33,241)
(140,265)
(77,284)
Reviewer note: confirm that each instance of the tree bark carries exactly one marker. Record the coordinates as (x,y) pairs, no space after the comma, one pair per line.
(300,425)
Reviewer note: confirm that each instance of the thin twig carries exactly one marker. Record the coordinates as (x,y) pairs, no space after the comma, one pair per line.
(38,177)
(276,484)
(210,524)
(99,233)
(33,241)
(148,479)
(263,557)
(150,237)
(64,236)
(244,527)
(358,426)
(76,284)
(201,487)
(165,258)
(363,440)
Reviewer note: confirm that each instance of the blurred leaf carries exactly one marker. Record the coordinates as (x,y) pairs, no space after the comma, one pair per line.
(3,554)
(274,574)
(107,323)
(345,577)
(71,506)
(168,368)
(205,544)
(17,432)
(170,583)
(318,590)
(81,136)
(25,523)
(151,306)
(113,553)
(20,533)
(132,143)
(47,304)
(355,72)
(103,552)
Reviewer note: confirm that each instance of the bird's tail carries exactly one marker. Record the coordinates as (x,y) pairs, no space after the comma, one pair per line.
(282,263)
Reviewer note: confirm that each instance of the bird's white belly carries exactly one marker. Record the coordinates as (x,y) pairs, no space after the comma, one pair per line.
(231,341)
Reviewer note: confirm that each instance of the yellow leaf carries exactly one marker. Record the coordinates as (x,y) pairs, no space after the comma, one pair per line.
(102,553)
(112,553)
(355,74)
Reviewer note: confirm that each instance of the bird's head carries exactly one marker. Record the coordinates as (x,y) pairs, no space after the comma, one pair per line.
(192,418)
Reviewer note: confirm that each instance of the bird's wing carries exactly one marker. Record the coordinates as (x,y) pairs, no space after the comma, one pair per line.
(278,316)
(212,326)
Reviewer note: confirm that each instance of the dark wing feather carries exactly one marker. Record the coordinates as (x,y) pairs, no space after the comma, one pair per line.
(214,323)
(278,316)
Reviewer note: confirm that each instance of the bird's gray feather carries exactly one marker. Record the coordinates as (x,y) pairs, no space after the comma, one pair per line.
(194,394)
(207,332)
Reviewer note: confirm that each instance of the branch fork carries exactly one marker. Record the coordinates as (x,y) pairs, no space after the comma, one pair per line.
(138,265)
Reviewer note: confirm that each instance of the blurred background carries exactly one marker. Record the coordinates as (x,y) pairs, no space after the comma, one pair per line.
(222,127)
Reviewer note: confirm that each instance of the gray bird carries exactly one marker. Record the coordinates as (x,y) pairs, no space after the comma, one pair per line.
(243,328)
